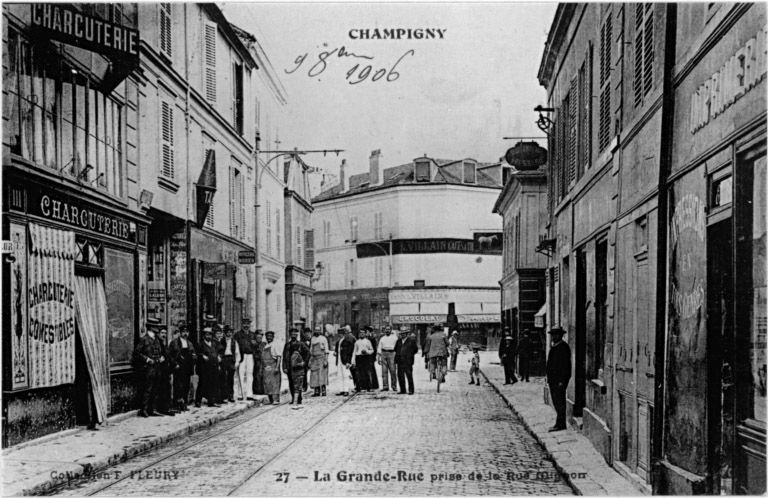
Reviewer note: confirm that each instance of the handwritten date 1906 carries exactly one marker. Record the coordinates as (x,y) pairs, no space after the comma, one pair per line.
(357,73)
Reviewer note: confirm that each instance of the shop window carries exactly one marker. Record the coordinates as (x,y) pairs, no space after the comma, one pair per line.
(119,288)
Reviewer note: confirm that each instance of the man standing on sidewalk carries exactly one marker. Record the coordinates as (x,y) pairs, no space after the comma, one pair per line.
(558,375)
(245,363)
(524,354)
(182,359)
(507,351)
(387,359)
(344,351)
(230,353)
(148,356)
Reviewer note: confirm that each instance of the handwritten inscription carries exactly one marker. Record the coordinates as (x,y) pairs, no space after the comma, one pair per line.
(359,72)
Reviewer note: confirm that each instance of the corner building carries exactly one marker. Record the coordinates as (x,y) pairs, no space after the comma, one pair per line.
(409,246)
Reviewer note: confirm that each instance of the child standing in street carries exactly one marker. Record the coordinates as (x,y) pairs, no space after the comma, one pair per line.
(474,370)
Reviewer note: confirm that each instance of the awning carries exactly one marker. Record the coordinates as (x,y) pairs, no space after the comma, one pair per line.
(539,319)
(206,187)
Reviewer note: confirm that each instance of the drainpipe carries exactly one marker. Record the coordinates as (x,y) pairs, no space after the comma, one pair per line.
(257,244)
(665,164)
(191,304)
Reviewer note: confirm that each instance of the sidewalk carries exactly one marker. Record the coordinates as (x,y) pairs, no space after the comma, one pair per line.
(38,465)
(583,467)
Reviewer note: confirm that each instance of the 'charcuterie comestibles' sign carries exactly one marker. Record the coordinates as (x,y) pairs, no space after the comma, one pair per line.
(51,307)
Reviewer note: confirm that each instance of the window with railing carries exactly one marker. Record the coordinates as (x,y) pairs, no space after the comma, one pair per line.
(57,118)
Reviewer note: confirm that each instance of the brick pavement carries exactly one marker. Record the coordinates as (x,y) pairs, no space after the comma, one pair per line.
(571,451)
(36,466)
(464,430)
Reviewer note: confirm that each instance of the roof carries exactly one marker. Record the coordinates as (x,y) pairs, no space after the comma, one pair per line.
(555,39)
(404,175)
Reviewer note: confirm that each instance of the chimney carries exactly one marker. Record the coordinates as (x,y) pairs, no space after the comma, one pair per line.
(373,175)
(342,175)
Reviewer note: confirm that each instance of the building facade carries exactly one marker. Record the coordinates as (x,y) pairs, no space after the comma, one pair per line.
(198,136)
(522,204)
(75,279)
(299,244)
(271,105)
(650,229)
(404,246)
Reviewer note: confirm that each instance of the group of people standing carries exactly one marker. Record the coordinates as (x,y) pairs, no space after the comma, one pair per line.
(357,356)
(510,351)
(228,364)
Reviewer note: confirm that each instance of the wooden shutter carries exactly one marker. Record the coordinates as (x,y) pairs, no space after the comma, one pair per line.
(232,202)
(166,143)
(209,61)
(648,50)
(585,113)
(637,85)
(277,232)
(237,96)
(243,205)
(573,125)
(604,129)
(309,249)
(298,247)
(166,30)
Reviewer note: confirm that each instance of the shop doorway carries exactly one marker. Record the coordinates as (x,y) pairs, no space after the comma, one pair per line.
(720,354)
(85,408)
(580,333)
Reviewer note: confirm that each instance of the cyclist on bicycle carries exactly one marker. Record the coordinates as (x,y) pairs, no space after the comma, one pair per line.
(436,351)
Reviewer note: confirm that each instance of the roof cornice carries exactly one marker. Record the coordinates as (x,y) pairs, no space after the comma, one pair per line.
(557,32)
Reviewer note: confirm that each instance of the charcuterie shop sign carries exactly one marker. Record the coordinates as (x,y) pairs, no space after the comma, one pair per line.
(71,26)
(76,213)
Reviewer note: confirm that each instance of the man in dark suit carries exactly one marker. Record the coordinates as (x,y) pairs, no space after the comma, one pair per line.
(148,356)
(287,367)
(182,356)
(164,402)
(405,349)
(558,375)
(229,352)
(507,352)
(524,354)
(207,370)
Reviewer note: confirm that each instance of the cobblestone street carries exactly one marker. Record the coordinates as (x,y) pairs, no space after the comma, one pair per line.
(462,441)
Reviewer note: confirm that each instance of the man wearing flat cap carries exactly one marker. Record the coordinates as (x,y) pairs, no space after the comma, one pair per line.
(558,375)
(148,356)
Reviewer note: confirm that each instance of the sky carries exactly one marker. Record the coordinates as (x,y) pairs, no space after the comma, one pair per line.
(449,98)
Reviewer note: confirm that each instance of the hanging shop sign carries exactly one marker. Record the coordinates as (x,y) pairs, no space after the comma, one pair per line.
(745,69)
(246,257)
(526,156)
(51,307)
(205,188)
(71,26)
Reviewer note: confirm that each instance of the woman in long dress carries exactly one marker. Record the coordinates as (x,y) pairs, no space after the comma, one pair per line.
(318,363)
(270,358)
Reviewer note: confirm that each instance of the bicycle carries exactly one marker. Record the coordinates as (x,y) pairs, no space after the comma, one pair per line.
(438,367)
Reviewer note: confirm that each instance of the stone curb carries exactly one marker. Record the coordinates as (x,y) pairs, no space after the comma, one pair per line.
(566,463)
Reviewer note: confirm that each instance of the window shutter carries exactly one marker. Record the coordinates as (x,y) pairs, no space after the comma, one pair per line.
(166,131)
(648,50)
(232,203)
(298,247)
(243,204)
(604,131)
(237,96)
(166,31)
(573,125)
(585,113)
(309,249)
(277,231)
(638,70)
(209,61)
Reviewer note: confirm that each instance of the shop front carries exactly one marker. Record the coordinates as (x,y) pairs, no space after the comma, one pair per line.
(474,312)
(74,297)
(354,307)
(715,413)
(220,285)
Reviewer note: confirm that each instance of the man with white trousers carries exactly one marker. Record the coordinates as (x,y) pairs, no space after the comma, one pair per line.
(386,351)
(246,343)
